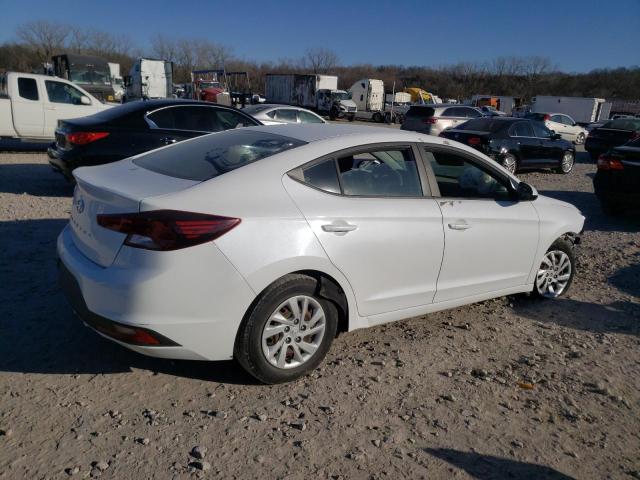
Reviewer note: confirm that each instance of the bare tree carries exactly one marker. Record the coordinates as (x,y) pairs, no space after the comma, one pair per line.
(44,37)
(319,60)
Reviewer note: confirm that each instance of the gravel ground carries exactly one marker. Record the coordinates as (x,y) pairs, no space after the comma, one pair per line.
(508,388)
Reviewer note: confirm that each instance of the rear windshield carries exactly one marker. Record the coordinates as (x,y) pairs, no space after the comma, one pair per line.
(212,155)
(623,124)
(252,109)
(420,112)
(482,125)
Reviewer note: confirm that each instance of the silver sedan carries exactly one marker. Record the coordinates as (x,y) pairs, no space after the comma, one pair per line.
(274,114)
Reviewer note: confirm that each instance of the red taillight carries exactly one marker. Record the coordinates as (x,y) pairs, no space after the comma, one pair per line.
(167,229)
(474,141)
(430,120)
(82,138)
(547,117)
(608,162)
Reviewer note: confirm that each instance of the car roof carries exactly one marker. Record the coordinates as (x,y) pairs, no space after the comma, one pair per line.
(315,132)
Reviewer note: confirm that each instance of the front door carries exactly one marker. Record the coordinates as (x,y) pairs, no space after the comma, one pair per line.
(368,210)
(63,101)
(490,238)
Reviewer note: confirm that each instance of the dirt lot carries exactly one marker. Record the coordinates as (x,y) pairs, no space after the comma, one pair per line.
(434,397)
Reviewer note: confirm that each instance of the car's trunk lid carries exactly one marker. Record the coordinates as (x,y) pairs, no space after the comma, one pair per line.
(613,136)
(115,188)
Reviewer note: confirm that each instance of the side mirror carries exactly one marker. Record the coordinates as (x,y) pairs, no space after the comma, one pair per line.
(554,135)
(84,100)
(526,192)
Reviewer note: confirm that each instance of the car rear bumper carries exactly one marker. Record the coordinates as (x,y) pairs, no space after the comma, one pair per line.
(611,188)
(59,162)
(195,313)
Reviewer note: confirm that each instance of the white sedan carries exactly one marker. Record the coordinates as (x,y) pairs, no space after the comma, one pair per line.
(275,114)
(563,125)
(261,243)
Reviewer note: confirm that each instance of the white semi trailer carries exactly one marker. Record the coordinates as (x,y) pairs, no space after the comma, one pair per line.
(149,79)
(368,95)
(581,109)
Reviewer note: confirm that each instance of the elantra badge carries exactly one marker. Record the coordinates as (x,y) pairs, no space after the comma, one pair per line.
(80,205)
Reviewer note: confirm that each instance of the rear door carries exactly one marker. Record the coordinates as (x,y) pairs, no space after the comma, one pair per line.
(371,211)
(27,107)
(490,238)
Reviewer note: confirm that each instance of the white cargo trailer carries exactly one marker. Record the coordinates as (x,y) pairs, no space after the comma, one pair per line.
(581,109)
(149,79)
(316,92)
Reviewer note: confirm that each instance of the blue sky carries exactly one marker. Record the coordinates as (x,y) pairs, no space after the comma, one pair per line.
(577,35)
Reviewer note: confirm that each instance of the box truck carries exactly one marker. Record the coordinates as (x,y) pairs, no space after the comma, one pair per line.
(582,109)
(312,91)
(149,78)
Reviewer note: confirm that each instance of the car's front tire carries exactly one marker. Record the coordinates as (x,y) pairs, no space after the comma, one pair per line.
(556,271)
(580,138)
(288,331)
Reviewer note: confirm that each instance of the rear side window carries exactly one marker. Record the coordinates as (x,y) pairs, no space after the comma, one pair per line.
(193,118)
(323,175)
(306,117)
(623,124)
(469,112)
(481,125)
(27,88)
(420,112)
(229,119)
(210,156)
(521,129)
(287,115)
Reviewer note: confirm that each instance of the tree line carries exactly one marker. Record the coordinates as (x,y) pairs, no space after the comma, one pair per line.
(522,76)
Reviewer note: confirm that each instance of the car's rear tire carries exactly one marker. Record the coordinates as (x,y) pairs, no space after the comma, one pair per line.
(556,271)
(567,163)
(287,332)
(377,117)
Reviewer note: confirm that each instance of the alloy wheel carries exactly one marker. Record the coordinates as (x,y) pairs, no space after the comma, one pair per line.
(510,163)
(580,139)
(294,332)
(554,274)
(567,162)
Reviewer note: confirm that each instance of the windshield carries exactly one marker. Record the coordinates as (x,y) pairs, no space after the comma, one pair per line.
(210,85)
(84,75)
(341,95)
(213,155)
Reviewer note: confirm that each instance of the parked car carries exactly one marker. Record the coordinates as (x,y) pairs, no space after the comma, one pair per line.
(31,105)
(516,143)
(274,114)
(433,119)
(489,111)
(259,244)
(612,134)
(563,125)
(137,127)
(618,177)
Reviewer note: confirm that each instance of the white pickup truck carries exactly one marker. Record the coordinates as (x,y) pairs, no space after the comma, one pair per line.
(31,105)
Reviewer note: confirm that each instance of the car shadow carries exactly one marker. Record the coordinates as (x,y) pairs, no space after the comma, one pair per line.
(595,218)
(36,179)
(616,317)
(16,146)
(39,332)
(627,279)
(489,467)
